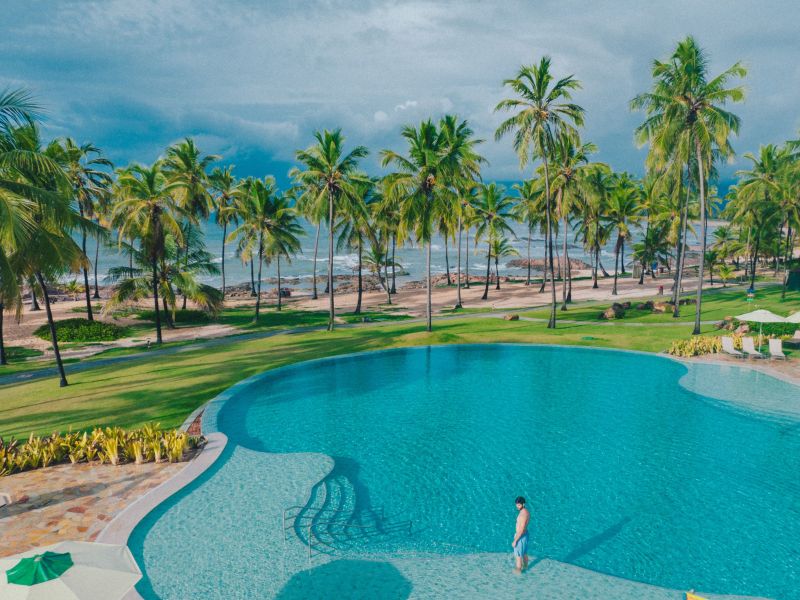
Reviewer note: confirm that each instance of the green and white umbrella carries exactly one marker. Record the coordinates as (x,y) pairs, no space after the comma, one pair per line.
(794,318)
(69,571)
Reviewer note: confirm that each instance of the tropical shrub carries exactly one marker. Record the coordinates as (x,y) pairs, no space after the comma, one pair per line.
(700,345)
(112,445)
(82,330)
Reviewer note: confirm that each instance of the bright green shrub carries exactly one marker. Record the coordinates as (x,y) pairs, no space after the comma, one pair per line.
(700,345)
(82,330)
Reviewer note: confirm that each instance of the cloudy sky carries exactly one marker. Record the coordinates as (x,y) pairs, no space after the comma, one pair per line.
(251,80)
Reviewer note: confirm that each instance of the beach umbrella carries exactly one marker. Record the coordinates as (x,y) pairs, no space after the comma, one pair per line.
(69,571)
(795,318)
(761,316)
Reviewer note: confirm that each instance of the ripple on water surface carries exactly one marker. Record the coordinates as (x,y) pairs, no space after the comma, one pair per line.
(626,471)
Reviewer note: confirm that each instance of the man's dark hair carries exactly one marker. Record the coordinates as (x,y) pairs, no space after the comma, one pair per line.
(520,500)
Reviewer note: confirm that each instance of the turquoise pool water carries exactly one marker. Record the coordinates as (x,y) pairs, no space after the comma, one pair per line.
(415,451)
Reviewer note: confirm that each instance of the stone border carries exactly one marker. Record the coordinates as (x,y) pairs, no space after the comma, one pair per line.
(119,529)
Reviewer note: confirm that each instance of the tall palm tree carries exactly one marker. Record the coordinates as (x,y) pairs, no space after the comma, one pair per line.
(685,116)
(624,209)
(424,177)
(224,187)
(331,174)
(593,226)
(86,169)
(529,209)
(148,209)
(355,230)
(543,110)
(283,240)
(494,208)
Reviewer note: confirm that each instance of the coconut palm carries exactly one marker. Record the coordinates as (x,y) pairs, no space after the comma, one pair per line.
(685,117)
(86,169)
(593,226)
(529,209)
(543,111)
(186,165)
(224,186)
(501,248)
(283,239)
(623,211)
(148,210)
(355,229)
(330,174)
(494,208)
(436,159)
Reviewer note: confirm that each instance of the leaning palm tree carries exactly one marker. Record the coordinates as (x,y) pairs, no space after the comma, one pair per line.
(224,187)
(284,236)
(331,174)
(543,111)
(685,117)
(147,209)
(86,169)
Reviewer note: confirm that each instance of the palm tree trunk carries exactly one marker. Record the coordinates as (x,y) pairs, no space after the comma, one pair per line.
(53,335)
(314,276)
(447,262)
(681,260)
(701,180)
(252,278)
(167,313)
(94,266)
(544,265)
(258,283)
(279,281)
(497,271)
(755,259)
(394,264)
(596,266)
(360,282)
(530,235)
(86,289)
(466,261)
(222,261)
(488,266)
(3,358)
(429,315)
(787,258)
(551,324)
(622,257)
(331,307)
(616,265)
(155,302)
(34,302)
(386,287)
(458,266)
(566,268)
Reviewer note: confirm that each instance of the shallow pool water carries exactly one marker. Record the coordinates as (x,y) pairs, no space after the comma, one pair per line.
(626,471)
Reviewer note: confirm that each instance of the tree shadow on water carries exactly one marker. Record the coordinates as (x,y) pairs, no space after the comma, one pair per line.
(348,579)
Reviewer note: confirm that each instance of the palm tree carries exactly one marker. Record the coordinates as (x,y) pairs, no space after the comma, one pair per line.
(283,240)
(436,159)
(186,165)
(501,248)
(529,209)
(85,167)
(224,186)
(313,205)
(356,229)
(147,209)
(623,211)
(685,116)
(494,208)
(331,174)
(543,111)
(593,226)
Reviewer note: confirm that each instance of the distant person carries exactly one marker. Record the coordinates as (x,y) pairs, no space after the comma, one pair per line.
(520,543)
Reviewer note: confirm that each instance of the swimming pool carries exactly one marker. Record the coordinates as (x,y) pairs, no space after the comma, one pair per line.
(422,451)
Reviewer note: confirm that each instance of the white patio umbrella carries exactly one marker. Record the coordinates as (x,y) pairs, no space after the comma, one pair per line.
(761,316)
(70,571)
(794,318)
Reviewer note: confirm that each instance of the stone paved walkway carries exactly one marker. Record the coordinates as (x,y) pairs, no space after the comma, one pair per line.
(71,502)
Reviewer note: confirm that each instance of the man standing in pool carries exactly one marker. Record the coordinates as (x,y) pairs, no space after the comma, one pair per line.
(520,543)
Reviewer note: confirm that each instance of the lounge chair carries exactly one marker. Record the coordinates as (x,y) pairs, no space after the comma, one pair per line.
(727,347)
(776,348)
(749,348)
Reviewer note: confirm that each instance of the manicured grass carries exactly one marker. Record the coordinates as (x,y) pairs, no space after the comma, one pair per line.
(166,389)
(21,353)
(717,304)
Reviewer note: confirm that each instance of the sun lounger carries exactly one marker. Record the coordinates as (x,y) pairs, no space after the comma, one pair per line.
(749,348)
(727,347)
(776,349)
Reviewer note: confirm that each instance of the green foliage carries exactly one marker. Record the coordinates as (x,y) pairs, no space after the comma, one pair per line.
(82,330)
(772,329)
(112,445)
(182,317)
(21,353)
(700,345)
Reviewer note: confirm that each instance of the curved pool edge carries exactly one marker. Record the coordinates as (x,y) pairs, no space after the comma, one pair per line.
(119,529)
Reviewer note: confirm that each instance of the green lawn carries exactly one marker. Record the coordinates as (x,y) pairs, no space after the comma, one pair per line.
(166,389)
(717,304)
